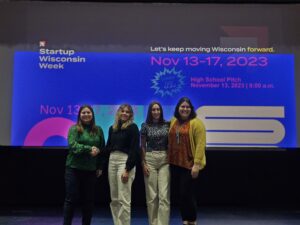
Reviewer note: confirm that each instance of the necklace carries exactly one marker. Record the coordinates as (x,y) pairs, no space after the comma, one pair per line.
(177,132)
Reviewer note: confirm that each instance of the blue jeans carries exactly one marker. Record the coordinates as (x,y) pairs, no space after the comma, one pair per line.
(79,185)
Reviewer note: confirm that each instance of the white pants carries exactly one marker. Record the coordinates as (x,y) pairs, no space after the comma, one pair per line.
(120,192)
(157,186)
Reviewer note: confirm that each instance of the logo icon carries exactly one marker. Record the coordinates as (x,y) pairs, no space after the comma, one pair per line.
(168,82)
(42,44)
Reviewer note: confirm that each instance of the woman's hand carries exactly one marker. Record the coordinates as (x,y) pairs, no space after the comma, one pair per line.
(95,151)
(125,176)
(98,173)
(145,169)
(195,171)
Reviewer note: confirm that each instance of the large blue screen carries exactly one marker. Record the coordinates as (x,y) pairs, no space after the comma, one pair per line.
(243,99)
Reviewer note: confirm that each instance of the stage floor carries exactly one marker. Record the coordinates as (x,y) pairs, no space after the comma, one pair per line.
(207,216)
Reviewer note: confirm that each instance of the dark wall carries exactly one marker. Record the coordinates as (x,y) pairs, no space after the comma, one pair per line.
(33,177)
(188,1)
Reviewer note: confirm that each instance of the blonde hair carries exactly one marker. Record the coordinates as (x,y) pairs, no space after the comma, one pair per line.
(118,115)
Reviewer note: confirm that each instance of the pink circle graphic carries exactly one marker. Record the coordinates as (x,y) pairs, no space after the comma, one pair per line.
(47,128)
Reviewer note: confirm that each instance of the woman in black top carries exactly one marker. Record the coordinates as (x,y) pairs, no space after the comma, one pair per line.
(123,145)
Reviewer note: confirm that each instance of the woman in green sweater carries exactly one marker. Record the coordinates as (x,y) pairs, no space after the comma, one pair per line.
(83,164)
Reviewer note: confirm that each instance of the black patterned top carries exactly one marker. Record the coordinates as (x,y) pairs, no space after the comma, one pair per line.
(156,136)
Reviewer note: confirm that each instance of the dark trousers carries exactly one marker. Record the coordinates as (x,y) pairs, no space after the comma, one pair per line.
(79,185)
(184,185)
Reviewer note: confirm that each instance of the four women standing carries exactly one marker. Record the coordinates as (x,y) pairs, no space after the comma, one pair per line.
(181,144)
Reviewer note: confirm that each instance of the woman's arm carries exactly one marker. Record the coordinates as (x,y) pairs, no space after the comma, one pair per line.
(74,145)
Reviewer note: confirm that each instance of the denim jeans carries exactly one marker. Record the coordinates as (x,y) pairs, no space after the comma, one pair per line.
(80,185)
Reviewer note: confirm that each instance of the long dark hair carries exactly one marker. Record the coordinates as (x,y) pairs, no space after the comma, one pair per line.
(149,119)
(94,129)
(176,112)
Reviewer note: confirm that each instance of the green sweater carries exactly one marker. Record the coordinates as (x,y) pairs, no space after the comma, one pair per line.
(80,146)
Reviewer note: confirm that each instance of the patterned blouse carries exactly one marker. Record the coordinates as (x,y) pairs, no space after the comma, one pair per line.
(156,136)
(180,153)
